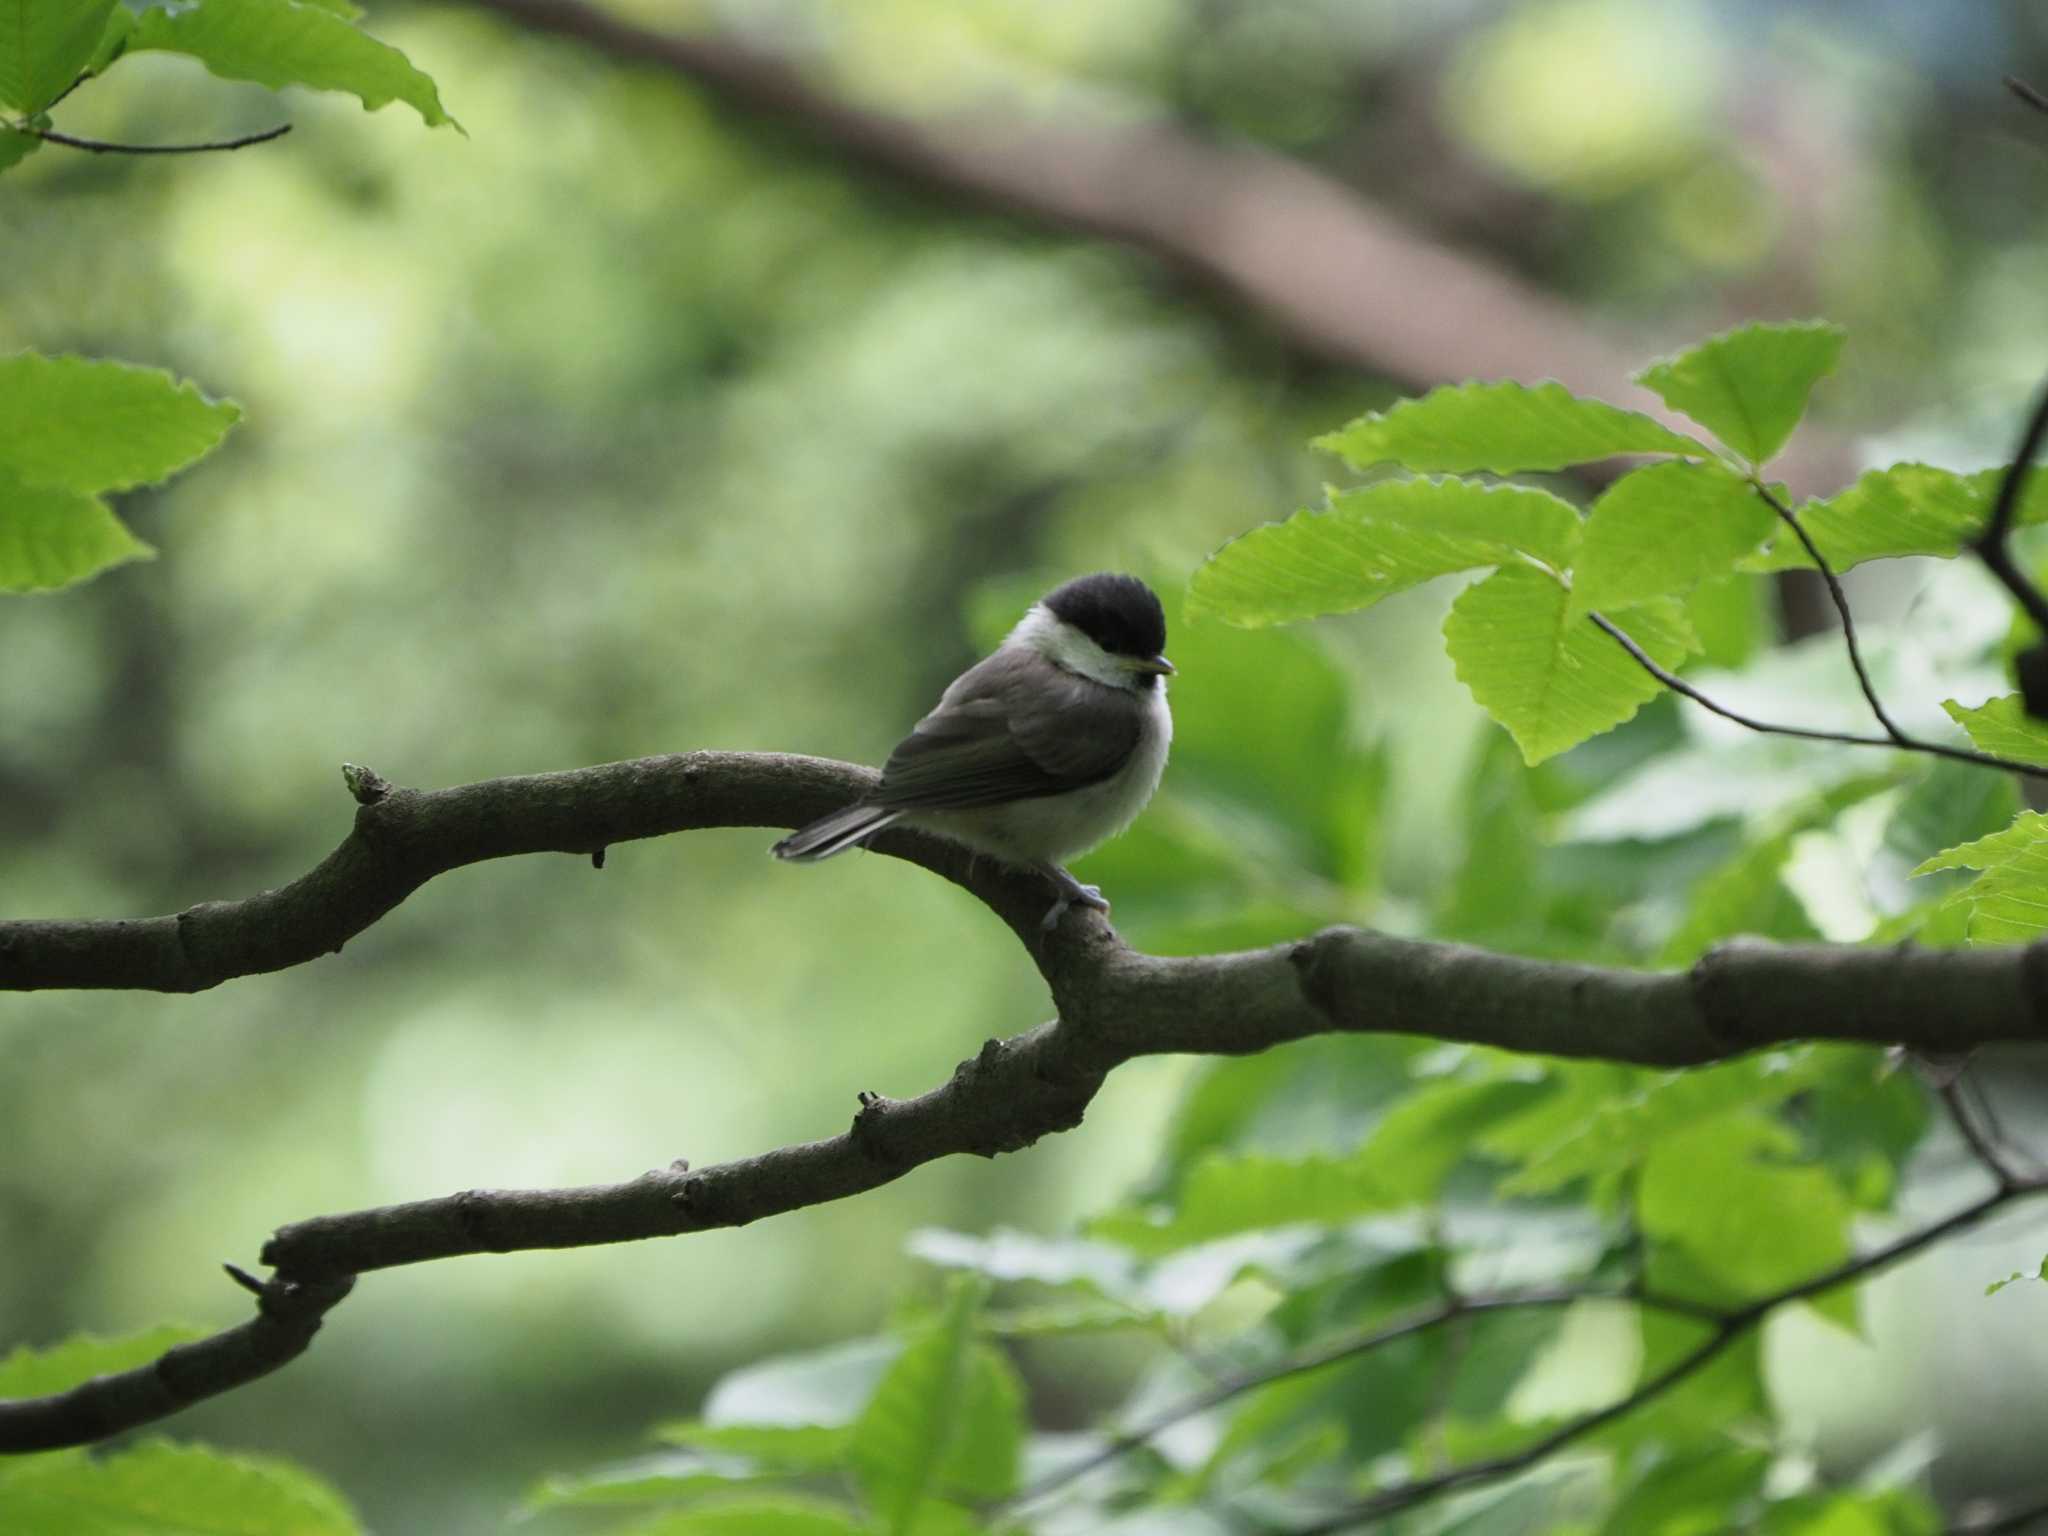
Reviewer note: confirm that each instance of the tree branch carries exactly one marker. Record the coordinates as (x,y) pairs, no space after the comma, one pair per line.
(102,147)
(1332,273)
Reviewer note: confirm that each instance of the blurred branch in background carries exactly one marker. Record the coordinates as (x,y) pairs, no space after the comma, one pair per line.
(1336,277)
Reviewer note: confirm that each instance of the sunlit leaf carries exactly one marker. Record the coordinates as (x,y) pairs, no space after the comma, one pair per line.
(2008,902)
(1375,541)
(50,538)
(825,1387)
(1502,428)
(160,1487)
(1749,387)
(44,45)
(1554,680)
(80,424)
(1908,509)
(2003,728)
(290,42)
(1663,528)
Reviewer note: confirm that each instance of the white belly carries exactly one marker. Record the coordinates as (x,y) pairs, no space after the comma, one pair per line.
(1056,828)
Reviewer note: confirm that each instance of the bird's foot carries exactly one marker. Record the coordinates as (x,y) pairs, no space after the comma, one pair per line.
(1072,894)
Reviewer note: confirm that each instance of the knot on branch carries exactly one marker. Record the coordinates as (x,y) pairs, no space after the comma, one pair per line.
(366,784)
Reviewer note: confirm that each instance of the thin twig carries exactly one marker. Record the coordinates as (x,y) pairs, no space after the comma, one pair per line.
(1679,686)
(1974,1135)
(2026,93)
(51,104)
(1992,545)
(1841,601)
(1730,1328)
(102,147)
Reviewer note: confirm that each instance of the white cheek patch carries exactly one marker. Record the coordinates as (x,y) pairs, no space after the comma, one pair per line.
(1065,646)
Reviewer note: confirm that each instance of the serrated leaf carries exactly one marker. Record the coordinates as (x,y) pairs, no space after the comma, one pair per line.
(1658,531)
(1551,679)
(1503,428)
(1749,387)
(160,1487)
(26,1372)
(44,45)
(289,42)
(910,1427)
(1375,541)
(2008,901)
(764,1515)
(81,424)
(51,538)
(2002,727)
(1743,1220)
(1906,509)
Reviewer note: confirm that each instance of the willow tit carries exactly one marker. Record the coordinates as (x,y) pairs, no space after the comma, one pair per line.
(1047,747)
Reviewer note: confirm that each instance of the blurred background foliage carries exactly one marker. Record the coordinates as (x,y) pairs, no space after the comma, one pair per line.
(633,423)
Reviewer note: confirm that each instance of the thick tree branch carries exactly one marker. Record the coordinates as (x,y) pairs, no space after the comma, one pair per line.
(1115,1003)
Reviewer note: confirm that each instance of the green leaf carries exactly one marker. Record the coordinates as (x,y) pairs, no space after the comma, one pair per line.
(907,1437)
(2008,901)
(2002,727)
(113,40)
(51,538)
(1551,679)
(824,1389)
(1908,509)
(289,42)
(1749,387)
(1662,529)
(1626,1128)
(1745,1225)
(778,1447)
(767,1515)
(160,1487)
(1224,1194)
(658,1479)
(2015,1277)
(83,425)
(1503,428)
(29,1372)
(1430,1131)
(988,1439)
(15,147)
(44,46)
(1375,541)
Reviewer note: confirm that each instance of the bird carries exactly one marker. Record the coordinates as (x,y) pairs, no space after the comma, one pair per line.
(1046,747)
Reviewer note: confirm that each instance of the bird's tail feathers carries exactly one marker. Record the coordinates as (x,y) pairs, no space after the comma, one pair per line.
(832,834)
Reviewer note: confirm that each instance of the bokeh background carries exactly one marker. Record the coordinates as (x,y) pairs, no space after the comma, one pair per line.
(640,420)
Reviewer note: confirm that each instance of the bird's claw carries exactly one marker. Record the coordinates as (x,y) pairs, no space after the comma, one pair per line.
(1078,895)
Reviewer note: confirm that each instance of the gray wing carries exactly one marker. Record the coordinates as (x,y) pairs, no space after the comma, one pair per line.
(1012,727)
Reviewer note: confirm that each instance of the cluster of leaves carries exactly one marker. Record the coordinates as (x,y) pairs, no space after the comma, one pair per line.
(1654,556)
(50,47)
(1548,1196)
(73,430)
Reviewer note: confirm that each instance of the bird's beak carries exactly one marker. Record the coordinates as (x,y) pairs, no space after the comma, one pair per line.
(1159,666)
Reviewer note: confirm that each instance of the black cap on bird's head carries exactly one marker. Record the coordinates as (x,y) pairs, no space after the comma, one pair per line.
(1119,613)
